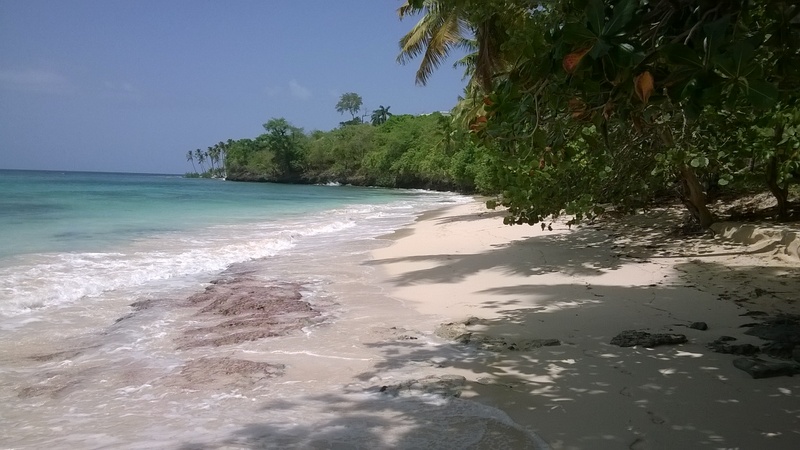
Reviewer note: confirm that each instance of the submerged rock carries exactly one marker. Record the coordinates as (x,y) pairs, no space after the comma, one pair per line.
(631,338)
(250,310)
(224,373)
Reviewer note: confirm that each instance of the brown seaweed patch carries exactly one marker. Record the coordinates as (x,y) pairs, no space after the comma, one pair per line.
(224,373)
(55,387)
(60,356)
(255,310)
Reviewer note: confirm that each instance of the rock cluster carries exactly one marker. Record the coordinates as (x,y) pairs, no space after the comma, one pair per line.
(758,368)
(440,385)
(723,345)
(783,336)
(457,331)
(631,338)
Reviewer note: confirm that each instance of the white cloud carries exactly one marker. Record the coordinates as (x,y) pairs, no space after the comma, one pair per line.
(34,80)
(298,91)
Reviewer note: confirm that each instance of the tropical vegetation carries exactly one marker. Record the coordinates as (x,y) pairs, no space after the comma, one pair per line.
(393,150)
(573,106)
(592,102)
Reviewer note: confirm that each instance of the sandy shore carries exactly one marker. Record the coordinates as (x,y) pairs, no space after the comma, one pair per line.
(509,293)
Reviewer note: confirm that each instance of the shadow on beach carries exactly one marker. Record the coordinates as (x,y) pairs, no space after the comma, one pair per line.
(585,392)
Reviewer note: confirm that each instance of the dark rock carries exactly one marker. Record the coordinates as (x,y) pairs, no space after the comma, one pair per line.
(457,331)
(444,385)
(702,326)
(143,304)
(784,329)
(796,353)
(630,338)
(781,350)
(720,346)
(501,344)
(126,316)
(754,313)
(758,368)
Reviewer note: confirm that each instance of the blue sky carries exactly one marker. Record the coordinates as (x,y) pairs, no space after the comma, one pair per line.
(131,86)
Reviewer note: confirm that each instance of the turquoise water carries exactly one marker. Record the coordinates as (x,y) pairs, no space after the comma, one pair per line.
(82,367)
(70,236)
(79,211)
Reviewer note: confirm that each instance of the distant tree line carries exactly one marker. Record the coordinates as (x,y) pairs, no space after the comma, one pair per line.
(425,151)
(214,156)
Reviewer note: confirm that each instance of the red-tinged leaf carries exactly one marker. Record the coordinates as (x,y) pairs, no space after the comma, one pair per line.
(644,86)
(571,61)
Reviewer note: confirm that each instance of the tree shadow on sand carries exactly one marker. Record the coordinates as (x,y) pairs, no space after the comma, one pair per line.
(682,396)
(584,393)
(581,253)
(369,419)
(588,251)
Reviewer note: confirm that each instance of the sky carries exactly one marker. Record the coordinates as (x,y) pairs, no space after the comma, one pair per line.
(131,86)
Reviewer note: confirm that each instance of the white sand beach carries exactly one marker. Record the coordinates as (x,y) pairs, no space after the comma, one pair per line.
(506,290)
(457,332)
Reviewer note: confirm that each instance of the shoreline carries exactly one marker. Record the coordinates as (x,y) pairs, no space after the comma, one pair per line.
(508,292)
(453,332)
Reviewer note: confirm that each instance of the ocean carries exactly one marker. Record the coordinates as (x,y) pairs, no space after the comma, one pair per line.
(156,311)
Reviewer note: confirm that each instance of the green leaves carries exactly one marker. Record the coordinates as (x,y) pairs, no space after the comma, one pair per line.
(737,62)
(762,94)
(576,33)
(596,16)
(623,13)
(681,55)
(700,161)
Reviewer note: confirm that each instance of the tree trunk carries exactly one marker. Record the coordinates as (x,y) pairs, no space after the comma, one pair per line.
(694,198)
(781,193)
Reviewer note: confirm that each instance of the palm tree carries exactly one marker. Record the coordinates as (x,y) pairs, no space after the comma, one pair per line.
(445,26)
(381,115)
(228,145)
(210,157)
(213,154)
(190,158)
(201,158)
